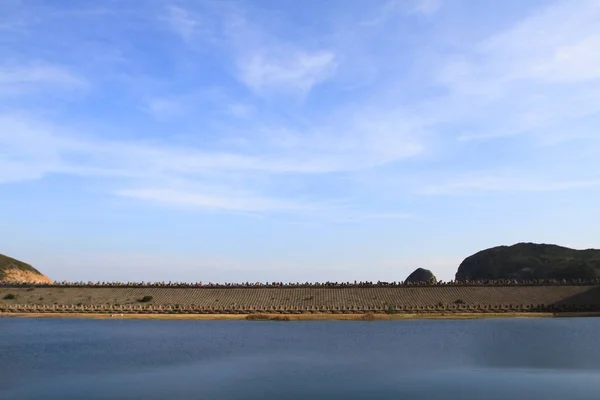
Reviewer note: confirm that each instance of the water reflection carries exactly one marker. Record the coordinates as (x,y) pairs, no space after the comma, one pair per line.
(487,359)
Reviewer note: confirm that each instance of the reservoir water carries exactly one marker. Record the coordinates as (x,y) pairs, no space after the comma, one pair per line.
(418,359)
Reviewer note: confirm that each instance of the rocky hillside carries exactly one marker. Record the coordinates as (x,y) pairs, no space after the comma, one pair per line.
(421,275)
(12,270)
(530,261)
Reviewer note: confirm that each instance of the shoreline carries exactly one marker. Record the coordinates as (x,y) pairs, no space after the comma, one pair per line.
(300,317)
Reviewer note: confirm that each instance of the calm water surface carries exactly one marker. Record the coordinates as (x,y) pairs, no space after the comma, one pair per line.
(120,359)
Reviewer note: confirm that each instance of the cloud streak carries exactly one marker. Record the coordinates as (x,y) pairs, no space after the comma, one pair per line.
(34,77)
(162,174)
(297,72)
(506,184)
(428,7)
(207,199)
(181,22)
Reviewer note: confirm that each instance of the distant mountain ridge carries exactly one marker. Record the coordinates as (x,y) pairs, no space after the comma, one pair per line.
(12,270)
(530,261)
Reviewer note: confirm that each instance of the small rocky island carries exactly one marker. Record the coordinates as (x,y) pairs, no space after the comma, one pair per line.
(421,275)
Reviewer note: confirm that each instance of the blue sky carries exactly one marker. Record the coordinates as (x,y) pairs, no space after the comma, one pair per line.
(294,140)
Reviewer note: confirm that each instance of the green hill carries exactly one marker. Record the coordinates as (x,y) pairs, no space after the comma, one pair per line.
(530,261)
(10,269)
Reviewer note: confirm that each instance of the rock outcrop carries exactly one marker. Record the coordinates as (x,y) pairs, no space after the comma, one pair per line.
(12,270)
(421,275)
(525,261)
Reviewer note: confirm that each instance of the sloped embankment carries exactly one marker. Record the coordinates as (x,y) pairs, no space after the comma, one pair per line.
(310,299)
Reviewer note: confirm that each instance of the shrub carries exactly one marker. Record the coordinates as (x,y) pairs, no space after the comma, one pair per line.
(265,317)
(9,296)
(258,317)
(368,317)
(459,301)
(145,299)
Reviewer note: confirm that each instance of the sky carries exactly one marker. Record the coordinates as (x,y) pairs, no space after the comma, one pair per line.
(279,140)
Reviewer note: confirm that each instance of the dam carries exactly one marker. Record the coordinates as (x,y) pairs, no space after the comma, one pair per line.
(556,297)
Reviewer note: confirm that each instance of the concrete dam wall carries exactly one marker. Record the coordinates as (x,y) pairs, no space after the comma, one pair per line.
(409,299)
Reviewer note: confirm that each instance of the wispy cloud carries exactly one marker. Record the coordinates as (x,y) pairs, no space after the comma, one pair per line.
(164,173)
(264,62)
(354,216)
(286,70)
(320,152)
(32,77)
(428,7)
(571,63)
(253,138)
(381,14)
(208,200)
(466,186)
(182,22)
(391,9)
(240,110)
(163,108)
(27,150)
(528,78)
